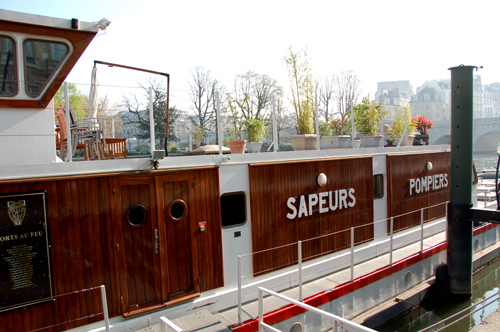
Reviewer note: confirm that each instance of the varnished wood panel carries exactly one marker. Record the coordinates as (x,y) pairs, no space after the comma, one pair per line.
(84,232)
(272,184)
(402,168)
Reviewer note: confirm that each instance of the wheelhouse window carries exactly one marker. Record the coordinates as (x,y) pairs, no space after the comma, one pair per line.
(8,74)
(42,59)
(378,186)
(233,209)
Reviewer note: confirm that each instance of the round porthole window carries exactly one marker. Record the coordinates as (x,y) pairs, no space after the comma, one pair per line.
(177,210)
(136,215)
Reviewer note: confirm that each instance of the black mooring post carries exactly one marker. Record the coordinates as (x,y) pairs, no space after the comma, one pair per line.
(460,226)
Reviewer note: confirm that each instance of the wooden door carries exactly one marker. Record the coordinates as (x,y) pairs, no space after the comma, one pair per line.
(137,248)
(177,236)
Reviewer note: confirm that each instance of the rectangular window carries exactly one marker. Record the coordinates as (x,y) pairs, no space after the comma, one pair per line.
(8,74)
(42,59)
(233,209)
(378,186)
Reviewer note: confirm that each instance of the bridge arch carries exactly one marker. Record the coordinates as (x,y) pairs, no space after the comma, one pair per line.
(487,142)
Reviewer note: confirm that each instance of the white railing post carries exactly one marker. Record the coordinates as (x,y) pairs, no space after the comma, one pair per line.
(353,128)
(485,194)
(105,308)
(352,254)
(300,269)
(219,128)
(69,138)
(275,128)
(392,240)
(261,312)
(318,147)
(239,289)
(421,230)
(151,122)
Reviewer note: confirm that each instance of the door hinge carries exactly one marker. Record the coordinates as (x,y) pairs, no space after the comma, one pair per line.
(117,247)
(113,191)
(193,183)
(121,300)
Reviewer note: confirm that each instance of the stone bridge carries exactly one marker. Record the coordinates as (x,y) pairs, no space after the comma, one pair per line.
(486,133)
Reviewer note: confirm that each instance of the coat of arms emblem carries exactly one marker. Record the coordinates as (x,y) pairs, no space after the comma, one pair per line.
(17,211)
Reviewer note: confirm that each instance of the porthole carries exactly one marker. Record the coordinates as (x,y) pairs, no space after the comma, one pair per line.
(177,210)
(408,278)
(136,215)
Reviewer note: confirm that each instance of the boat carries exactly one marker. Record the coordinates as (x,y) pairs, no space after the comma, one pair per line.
(155,236)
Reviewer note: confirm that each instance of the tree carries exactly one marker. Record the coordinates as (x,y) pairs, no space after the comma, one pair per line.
(301,84)
(77,100)
(346,91)
(138,108)
(253,94)
(325,97)
(202,90)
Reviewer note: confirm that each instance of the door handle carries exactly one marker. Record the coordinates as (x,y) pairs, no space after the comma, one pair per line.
(156,240)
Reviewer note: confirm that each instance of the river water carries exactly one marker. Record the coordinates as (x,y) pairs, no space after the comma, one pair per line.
(485,160)
(485,283)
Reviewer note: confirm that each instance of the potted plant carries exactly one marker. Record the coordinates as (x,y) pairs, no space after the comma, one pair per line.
(398,127)
(301,83)
(390,140)
(423,125)
(368,115)
(255,130)
(337,138)
(197,135)
(235,128)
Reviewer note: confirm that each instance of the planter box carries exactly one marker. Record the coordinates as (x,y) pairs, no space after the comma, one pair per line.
(303,142)
(254,147)
(372,141)
(403,142)
(334,142)
(421,139)
(357,144)
(237,146)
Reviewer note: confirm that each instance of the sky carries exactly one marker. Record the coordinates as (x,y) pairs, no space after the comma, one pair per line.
(379,40)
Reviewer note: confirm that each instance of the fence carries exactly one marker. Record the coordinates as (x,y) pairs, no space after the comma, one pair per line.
(337,321)
(104,309)
(300,269)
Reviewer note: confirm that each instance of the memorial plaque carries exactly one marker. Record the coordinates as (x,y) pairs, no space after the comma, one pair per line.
(24,250)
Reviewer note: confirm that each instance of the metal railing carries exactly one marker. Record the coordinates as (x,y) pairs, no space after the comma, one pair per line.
(164,321)
(338,322)
(301,268)
(104,309)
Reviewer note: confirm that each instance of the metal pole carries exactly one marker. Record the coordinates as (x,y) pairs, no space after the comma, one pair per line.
(460,227)
(406,127)
(219,129)
(239,290)
(382,125)
(69,145)
(151,122)
(392,240)
(353,128)
(352,254)
(421,230)
(275,128)
(300,270)
(105,308)
(261,312)
(317,122)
